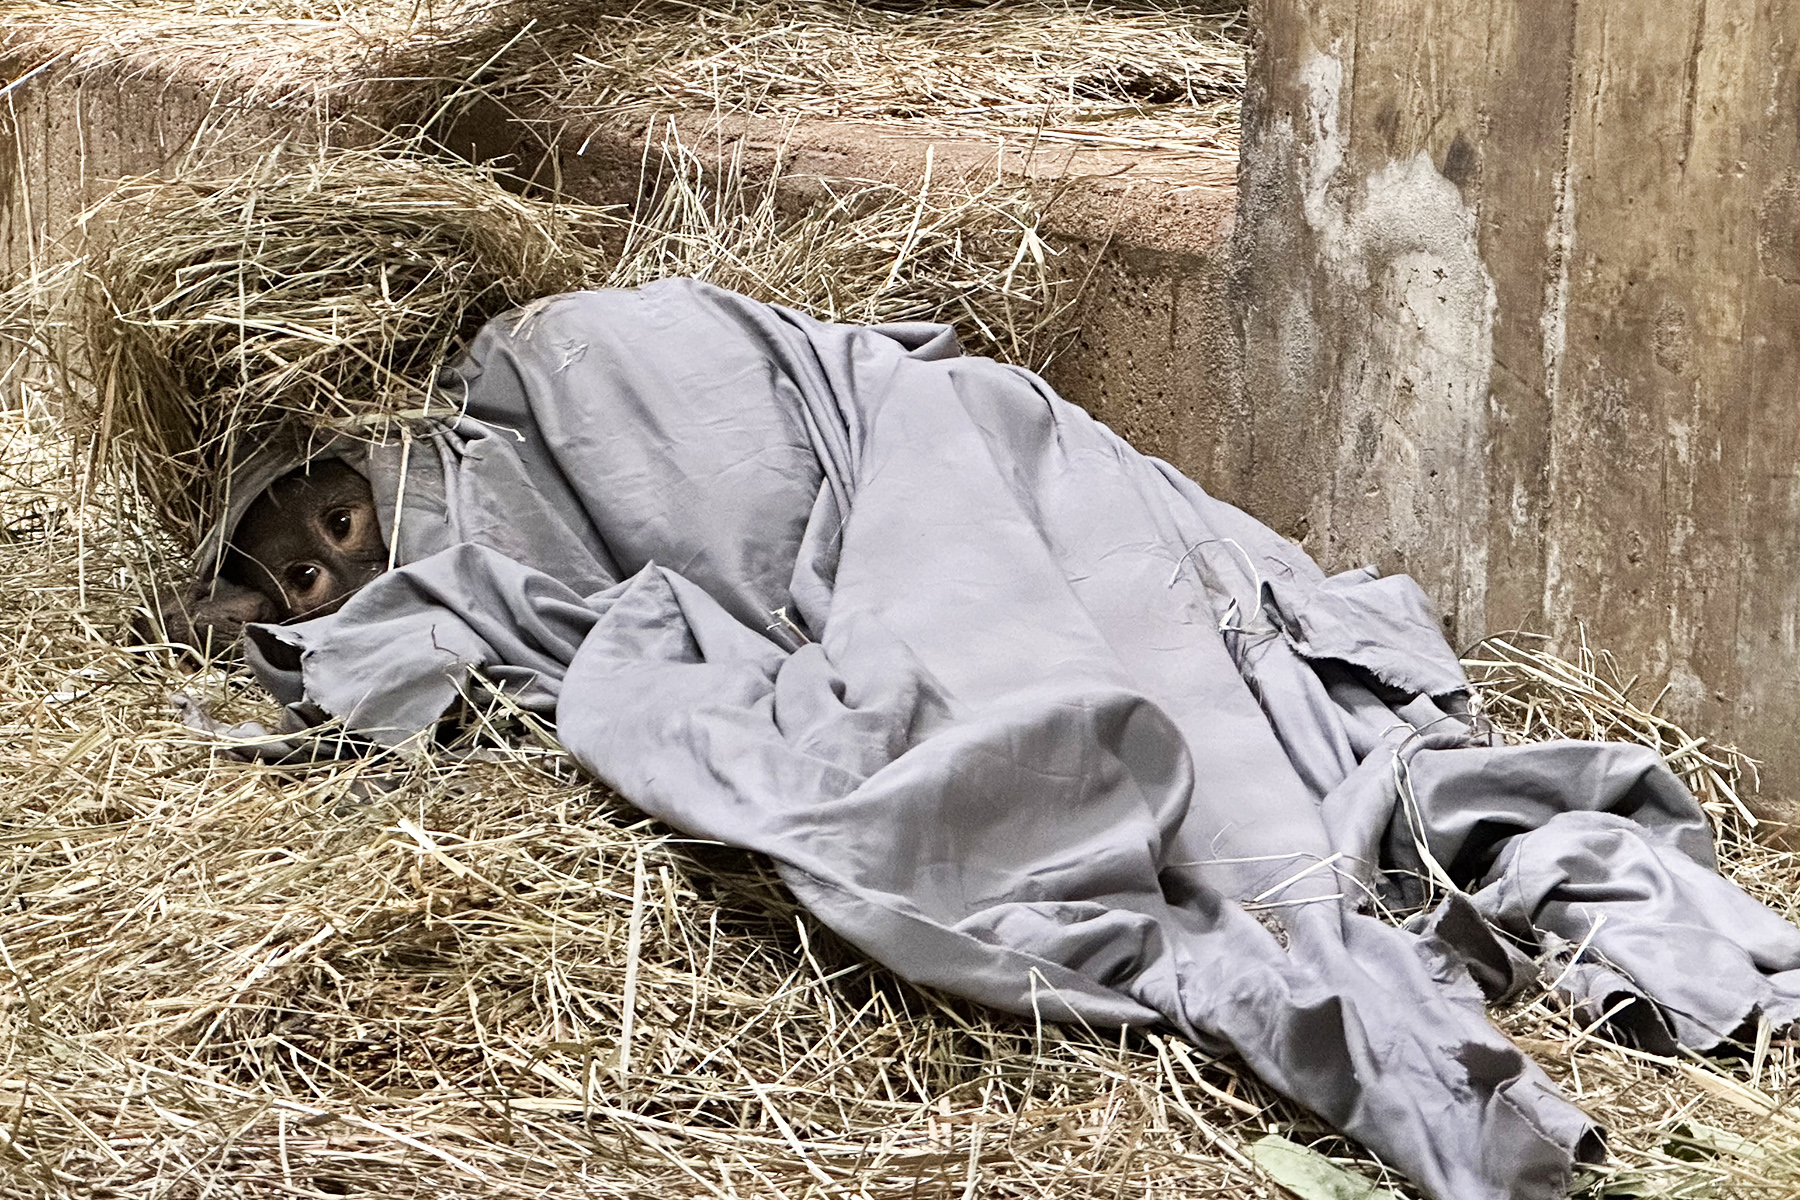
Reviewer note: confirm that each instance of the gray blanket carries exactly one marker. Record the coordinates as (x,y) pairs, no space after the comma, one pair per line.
(1029,717)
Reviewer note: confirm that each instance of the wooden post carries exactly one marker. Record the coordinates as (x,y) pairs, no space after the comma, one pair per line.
(1520,291)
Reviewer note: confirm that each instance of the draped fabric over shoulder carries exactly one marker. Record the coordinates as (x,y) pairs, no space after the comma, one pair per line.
(1027,716)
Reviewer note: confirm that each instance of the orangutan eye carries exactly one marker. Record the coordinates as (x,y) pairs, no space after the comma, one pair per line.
(303,577)
(339,523)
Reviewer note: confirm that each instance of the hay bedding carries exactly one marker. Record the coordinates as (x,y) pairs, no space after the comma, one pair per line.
(1137,75)
(493,980)
(223,981)
(319,290)
(220,980)
(1144,75)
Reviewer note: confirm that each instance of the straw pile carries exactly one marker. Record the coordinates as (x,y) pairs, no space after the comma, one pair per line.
(1140,74)
(493,979)
(274,49)
(280,53)
(1137,74)
(324,290)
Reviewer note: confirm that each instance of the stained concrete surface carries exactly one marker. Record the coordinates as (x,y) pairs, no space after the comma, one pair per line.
(1520,306)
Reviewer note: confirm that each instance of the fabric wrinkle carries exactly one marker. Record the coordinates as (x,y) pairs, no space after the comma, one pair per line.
(1067,737)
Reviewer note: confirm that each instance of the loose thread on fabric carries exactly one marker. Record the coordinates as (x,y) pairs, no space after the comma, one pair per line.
(406,442)
(1232,610)
(1580,949)
(787,624)
(1296,877)
(1415,821)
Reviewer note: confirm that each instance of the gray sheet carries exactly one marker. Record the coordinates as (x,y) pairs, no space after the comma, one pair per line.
(1027,716)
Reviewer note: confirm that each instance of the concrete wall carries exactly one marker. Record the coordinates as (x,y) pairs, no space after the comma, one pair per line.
(1521,314)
